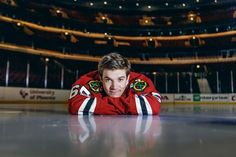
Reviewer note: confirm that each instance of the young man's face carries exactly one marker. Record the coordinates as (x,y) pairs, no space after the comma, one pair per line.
(114,82)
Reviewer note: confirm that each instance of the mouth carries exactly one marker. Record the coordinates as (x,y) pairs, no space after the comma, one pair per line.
(113,92)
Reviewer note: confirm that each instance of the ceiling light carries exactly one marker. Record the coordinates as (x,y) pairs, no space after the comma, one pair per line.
(137,4)
(215,1)
(120,7)
(105,2)
(91,4)
(166,4)
(149,7)
(197,1)
(18,24)
(184,5)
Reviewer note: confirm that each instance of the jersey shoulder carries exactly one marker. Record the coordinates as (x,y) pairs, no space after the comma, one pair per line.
(90,81)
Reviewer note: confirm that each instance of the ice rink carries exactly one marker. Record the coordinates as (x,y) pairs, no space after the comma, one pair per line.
(41,130)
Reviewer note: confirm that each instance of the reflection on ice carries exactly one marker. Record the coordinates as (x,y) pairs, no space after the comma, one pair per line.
(114,135)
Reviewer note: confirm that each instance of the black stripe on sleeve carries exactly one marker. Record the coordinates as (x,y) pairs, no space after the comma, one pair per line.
(143,106)
(88,106)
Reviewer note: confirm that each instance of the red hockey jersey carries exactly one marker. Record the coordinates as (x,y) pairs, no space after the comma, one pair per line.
(88,97)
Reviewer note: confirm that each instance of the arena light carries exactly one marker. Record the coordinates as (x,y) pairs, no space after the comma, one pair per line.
(191,15)
(119,37)
(18,24)
(58,11)
(46,59)
(146,21)
(151,61)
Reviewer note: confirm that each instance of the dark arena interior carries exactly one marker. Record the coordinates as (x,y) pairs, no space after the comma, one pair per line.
(186,47)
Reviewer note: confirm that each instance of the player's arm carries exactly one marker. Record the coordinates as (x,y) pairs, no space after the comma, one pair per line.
(83,101)
(143,98)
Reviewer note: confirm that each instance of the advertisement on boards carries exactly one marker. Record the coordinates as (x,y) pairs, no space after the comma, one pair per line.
(32,94)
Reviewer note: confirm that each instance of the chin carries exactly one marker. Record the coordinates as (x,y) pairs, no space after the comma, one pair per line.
(115,96)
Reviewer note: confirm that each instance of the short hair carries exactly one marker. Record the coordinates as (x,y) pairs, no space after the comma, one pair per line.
(114,61)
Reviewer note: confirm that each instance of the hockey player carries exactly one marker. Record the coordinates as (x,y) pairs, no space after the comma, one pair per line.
(113,89)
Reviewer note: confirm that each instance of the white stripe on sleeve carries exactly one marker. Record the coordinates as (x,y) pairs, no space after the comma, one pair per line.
(157,96)
(81,109)
(138,105)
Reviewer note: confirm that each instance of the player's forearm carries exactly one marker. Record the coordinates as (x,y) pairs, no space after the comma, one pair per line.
(88,105)
(142,104)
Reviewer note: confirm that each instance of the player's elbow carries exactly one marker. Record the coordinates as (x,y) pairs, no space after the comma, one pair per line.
(72,109)
(156,109)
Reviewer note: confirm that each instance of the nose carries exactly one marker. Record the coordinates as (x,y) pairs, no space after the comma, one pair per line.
(114,85)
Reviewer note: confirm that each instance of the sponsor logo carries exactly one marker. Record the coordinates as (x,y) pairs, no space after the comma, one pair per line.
(214,98)
(37,94)
(183,98)
(196,97)
(42,92)
(165,97)
(233,97)
(23,93)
